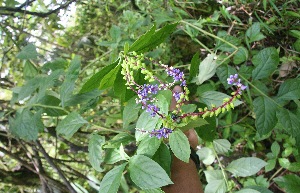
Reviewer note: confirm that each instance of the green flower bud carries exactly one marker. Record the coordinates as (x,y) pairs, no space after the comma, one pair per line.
(232,105)
(205,114)
(223,110)
(218,111)
(211,114)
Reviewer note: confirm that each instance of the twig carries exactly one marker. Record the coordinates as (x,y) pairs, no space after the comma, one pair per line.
(56,168)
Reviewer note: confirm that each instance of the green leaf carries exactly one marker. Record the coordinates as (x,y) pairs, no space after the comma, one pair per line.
(154,191)
(207,132)
(224,72)
(290,183)
(121,138)
(244,167)
(152,39)
(131,112)
(96,153)
(56,64)
(163,157)
(26,125)
(289,90)
(115,33)
(30,70)
(70,124)
(81,98)
(194,69)
(275,148)
(146,173)
(148,146)
(241,55)
(211,175)
(220,45)
(189,108)
(109,79)
(215,98)
(112,179)
(50,100)
(206,155)
(28,52)
(207,68)
(265,62)
(193,124)
(95,80)
(112,156)
(260,189)
(163,104)
(222,146)
(68,85)
(145,122)
(180,145)
(216,186)
(265,113)
(247,190)
(289,121)
(253,33)
(270,165)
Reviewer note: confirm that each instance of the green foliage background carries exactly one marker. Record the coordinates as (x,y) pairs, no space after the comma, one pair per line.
(67,118)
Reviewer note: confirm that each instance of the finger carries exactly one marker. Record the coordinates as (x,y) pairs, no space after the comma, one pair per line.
(173,102)
(192,137)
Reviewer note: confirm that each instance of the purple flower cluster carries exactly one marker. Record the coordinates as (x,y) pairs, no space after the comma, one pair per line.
(233,79)
(177,95)
(152,109)
(146,92)
(163,132)
(177,75)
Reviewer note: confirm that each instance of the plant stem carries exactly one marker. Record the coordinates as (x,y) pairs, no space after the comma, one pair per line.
(221,166)
(47,106)
(209,34)
(277,172)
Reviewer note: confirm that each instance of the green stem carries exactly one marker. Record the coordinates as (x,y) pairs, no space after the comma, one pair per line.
(200,43)
(258,90)
(47,106)
(277,172)
(209,34)
(222,168)
(100,128)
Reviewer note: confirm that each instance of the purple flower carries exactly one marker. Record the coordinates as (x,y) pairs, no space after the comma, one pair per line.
(152,109)
(176,74)
(177,95)
(233,79)
(163,132)
(145,93)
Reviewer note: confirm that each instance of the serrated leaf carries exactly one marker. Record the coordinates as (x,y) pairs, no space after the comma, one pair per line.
(56,64)
(163,157)
(131,112)
(206,155)
(112,179)
(146,173)
(152,39)
(121,138)
(28,52)
(49,100)
(95,80)
(275,148)
(216,186)
(220,45)
(193,124)
(222,146)
(163,104)
(216,98)
(68,85)
(241,55)
(224,72)
(180,145)
(30,70)
(207,132)
(112,156)
(109,79)
(145,122)
(26,125)
(189,108)
(247,190)
(265,62)
(270,165)
(96,153)
(253,33)
(158,190)
(244,167)
(289,121)
(207,68)
(290,183)
(265,113)
(211,175)
(194,69)
(70,124)
(148,146)
(82,98)
(289,90)
(260,189)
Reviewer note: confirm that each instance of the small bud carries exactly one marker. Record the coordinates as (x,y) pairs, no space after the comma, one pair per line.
(223,110)
(228,107)
(200,109)
(211,114)
(218,111)
(232,105)
(205,114)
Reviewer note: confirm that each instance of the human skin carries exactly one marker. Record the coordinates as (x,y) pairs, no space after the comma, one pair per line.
(184,175)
